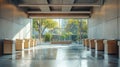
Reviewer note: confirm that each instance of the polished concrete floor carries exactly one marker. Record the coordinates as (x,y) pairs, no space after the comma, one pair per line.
(59,56)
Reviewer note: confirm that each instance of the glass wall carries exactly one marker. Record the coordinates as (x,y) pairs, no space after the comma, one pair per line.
(60,29)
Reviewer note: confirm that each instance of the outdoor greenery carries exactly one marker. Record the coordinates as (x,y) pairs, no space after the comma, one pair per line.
(77,27)
(68,29)
(41,25)
(72,26)
(48,37)
(66,35)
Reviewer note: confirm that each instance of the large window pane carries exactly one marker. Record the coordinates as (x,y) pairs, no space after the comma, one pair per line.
(60,29)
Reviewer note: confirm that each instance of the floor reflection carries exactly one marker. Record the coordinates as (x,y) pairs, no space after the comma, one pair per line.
(59,56)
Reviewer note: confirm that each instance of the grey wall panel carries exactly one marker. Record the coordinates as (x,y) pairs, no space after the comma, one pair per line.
(13,23)
(110,29)
(111,9)
(119,27)
(119,7)
(104,23)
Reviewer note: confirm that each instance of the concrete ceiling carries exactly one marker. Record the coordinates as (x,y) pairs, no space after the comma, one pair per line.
(59,8)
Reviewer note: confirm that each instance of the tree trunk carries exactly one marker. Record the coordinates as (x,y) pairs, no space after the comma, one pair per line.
(80,30)
(39,29)
(43,30)
(40,37)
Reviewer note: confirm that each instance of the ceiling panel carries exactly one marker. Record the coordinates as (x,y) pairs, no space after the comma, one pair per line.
(55,1)
(67,8)
(85,1)
(63,6)
(33,9)
(81,8)
(56,8)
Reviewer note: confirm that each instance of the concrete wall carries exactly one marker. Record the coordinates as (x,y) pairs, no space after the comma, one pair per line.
(105,21)
(13,23)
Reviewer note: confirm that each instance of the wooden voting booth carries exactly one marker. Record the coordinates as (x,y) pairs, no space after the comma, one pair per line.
(7,46)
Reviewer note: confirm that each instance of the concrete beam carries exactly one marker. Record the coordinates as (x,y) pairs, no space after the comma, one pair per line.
(52,12)
(63,15)
(62,5)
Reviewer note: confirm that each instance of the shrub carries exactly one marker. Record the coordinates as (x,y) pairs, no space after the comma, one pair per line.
(48,36)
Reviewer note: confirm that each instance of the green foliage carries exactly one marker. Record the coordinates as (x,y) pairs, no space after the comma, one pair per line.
(48,36)
(42,24)
(33,36)
(69,33)
(84,25)
(84,28)
(84,35)
(35,24)
(77,27)
(54,30)
(63,36)
(49,23)
(72,26)
(66,35)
